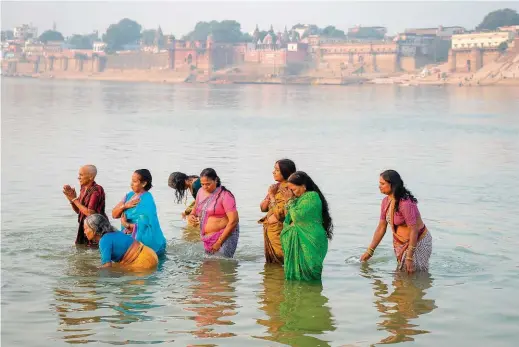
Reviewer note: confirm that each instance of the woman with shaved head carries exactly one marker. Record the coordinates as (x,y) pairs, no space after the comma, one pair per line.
(91,200)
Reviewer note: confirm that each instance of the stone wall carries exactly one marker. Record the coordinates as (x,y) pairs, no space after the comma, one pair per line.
(138,61)
(471,60)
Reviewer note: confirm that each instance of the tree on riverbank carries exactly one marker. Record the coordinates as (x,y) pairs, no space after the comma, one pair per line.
(7,35)
(499,18)
(125,32)
(51,35)
(224,31)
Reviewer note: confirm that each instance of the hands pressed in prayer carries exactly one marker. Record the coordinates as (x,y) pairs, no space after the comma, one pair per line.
(69,192)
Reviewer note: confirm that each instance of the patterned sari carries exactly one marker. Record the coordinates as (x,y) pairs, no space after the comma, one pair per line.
(272,230)
(217,204)
(147,228)
(401,236)
(304,239)
(94,199)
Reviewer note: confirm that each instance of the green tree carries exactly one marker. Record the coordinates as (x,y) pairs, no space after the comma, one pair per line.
(331,31)
(125,32)
(7,35)
(366,33)
(224,31)
(499,18)
(503,46)
(148,37)
(81,41)
(51,35)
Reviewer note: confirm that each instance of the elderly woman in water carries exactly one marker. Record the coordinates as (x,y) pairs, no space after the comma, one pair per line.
(274,205)
(412,242)
(118,247)
(307,228)
(181,183)
(138,213)
(215,211)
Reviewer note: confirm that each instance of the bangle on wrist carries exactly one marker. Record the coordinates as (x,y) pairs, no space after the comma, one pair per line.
(74,199)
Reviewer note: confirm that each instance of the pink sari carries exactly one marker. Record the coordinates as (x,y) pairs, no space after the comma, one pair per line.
(217,204)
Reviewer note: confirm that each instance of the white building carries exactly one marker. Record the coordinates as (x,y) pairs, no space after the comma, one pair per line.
(98,46)
(24,32)
(481,40)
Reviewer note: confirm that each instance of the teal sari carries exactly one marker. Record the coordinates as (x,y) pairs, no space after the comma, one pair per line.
(304,239)
(147,228)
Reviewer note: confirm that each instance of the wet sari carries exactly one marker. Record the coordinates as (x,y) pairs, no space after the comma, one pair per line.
(147,228)
(272,230)
(217,204)
(304,239)
(139,257)
(94,199)
(399,221)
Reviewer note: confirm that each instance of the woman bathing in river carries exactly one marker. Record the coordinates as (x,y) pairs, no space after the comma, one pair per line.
(138,213)
(274,205)
(412,242)
(215,211)
(181,182)
(118,247)
(307,228)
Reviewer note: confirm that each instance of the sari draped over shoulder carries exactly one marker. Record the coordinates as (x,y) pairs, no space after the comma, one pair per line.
(272,230)
(304,239)
(217,204)
(93,198)
(399,222)
(147,227)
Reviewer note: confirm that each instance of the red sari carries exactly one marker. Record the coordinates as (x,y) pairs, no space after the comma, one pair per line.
(92,198)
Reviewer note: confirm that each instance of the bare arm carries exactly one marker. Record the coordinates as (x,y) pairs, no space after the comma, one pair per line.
(264,206)
(118,210)
(78,207)
(377,237)
(74,207)
(231,225)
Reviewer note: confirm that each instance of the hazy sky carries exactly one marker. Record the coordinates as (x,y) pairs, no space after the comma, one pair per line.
(180,17)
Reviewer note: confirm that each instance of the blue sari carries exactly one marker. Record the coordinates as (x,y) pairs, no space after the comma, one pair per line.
(147,228)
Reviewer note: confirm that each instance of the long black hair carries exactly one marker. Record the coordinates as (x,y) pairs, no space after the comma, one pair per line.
(211,174)
(286,167)
(397,187)
(177,181)
(300,178)
(145,177)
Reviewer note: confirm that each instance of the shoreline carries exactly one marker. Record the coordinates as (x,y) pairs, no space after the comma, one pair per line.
(163,77)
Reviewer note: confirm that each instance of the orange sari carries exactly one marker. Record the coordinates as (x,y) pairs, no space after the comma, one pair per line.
(273,225)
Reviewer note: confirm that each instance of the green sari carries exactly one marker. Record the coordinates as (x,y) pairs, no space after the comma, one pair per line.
(304,239)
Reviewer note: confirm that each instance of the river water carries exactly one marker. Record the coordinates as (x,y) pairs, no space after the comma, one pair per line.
(456,148)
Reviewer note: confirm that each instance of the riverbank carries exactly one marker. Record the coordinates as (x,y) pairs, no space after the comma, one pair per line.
(176,77)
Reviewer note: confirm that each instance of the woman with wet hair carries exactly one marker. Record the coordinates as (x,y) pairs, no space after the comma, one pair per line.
(118,247)
(215,211)
(274,205)
(306,230)
(138,213)
(412,242)
(181,183)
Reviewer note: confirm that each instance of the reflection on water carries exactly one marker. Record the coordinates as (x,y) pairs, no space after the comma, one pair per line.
(191,233)
(213,297)
(463,142)
(399,306)
(297,311)
(89,297)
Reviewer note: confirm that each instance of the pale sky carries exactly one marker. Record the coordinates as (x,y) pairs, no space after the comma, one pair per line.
(179,18)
